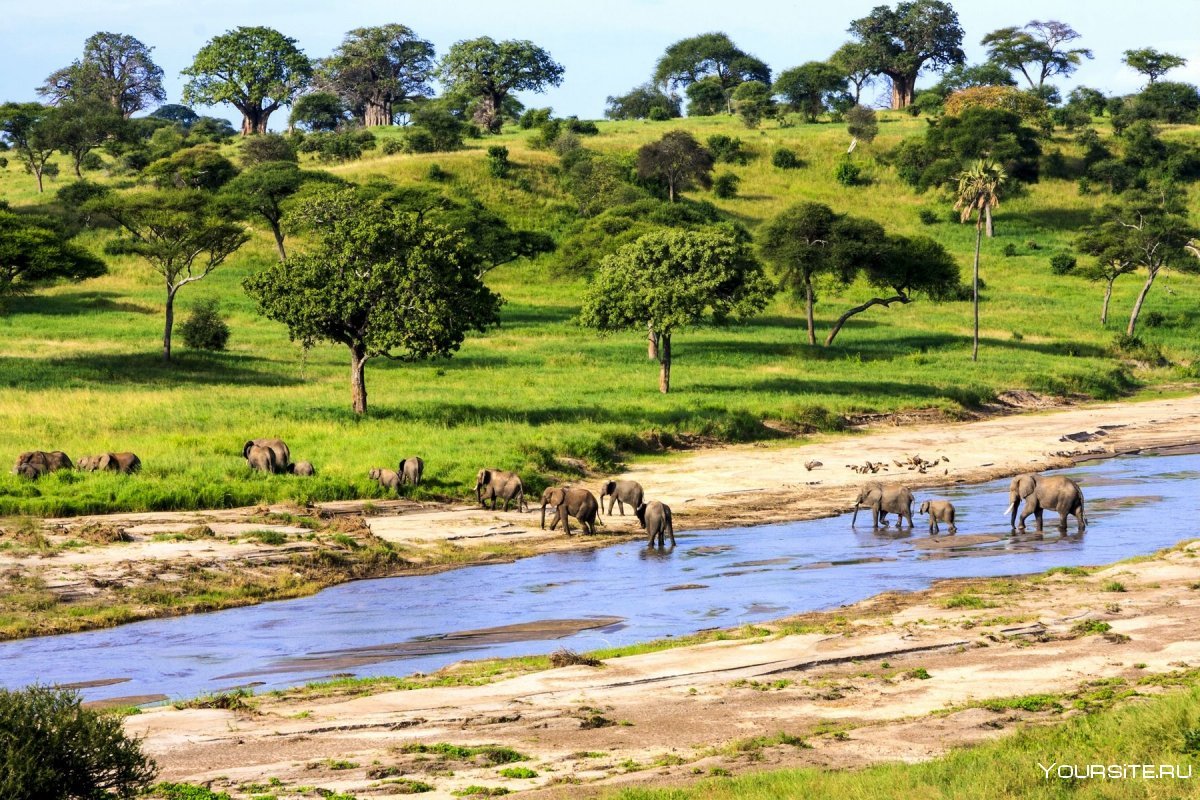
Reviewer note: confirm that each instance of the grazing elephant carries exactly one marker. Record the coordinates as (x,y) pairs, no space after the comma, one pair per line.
(261,458)
(281,455)
(386,478)
(302,468)
(42,462)
(1041,492)
(569,501)
(30,471)
(656,518)
(884,500)
(411,470)
(499,484)
(619,493)
(939,511)
(124,463)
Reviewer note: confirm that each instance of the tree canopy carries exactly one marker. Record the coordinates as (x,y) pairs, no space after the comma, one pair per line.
(676,160)
(33,253)
(262,191)
(643,102)
(913,36)
(488,72)
(709,55)
(813,88)
(854,61)
(29,129)
(116,69)
(375,70)
(1039,50)
(1152,63)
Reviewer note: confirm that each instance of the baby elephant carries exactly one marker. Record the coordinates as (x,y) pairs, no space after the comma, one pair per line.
(619,493)
(124,463)
(939,511)
(567,502)
(656,518)
(411,470)
(386,478)
(302,468)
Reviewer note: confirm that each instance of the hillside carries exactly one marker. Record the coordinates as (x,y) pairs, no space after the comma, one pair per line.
(81,369)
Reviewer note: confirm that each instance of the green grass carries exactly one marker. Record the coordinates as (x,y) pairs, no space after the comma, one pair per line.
(539,388)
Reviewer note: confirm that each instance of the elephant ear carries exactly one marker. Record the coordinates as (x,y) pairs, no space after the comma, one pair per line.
(105,461)
(246,449)
(485,476)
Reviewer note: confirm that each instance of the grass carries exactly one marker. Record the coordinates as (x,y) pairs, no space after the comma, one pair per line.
(538,388)
(487,753)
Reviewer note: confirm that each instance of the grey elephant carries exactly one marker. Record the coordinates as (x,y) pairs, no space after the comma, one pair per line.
(386,478)
(30,471)
(939,511)
(411,470)
(569,501)
(656,519)
(260,457)
(302,468)
(281,456)
(883,500)
(36,463)
(1056,493)
(500,484)
(124,463)
(619,493)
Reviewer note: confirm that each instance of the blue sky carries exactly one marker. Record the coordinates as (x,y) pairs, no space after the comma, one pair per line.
(607,46)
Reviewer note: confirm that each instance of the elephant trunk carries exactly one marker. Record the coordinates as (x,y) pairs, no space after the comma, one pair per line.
(1011,511)
(854,519)
(543,515)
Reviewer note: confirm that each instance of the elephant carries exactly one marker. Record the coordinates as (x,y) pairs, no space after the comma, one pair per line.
(939,511)
(619,493)
(302,468)
(386,478)
(500,484)
(124,463)
(30,471)
(261,458)
(281,455)
(42,462)
(411,470)
(656,518)
(569,501)
(884,500)
(1041,492)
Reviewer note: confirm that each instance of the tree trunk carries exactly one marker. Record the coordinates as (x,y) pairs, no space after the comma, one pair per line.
(874,301)
(1141,298)
(664,361)
(358,379)
(1104,308)
(75,162)
(671,190)
(808,309)
(987,215)
(38,174)
(277,231)
(902,90)
(168,324)
(254,120)
(651,342)
(377,112)
(975,289)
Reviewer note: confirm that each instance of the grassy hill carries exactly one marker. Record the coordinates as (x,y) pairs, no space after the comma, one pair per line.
(79,367)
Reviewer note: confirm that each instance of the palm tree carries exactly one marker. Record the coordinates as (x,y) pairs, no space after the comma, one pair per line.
(978,194)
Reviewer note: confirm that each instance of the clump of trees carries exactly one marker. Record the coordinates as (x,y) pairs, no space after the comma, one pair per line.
(643,102)
(708,68)
(35,251)
(487,72)
(954,141)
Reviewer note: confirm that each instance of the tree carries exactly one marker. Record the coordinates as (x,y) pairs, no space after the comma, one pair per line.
(375,70)
(199,167)
(1168,101)
(79,127)
(1108,244)
(378,281)
(707,98)
(643,102)
(1038,50)
(854,60)
(862,123)
(28,128)
(254,69)
(33,253)
(978,194)
(267,147)
(178,232)
(115,69)
(709,55)
(797,243)
(678,161)
(672,280)
(262,190)
(181,115)
(752,101)
(318,111)
(1090,100)
(905,40)
(52,748)
(488,72)
(812,88)
(1152,63)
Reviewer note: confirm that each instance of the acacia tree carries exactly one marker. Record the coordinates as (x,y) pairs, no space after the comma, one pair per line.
(1038,50)
(643,102)
(33,254)
(1152,63)
(674,280)
(709,56)
(28,128)
(376,69)
(854,61)
(677,160)
(907,39)
(379,281)
(488,72)
(262,191)
(812,88)
(179,232)
(255,69)
(79,127)
(797,243)
(116,69)
(978,193)
(1114,257)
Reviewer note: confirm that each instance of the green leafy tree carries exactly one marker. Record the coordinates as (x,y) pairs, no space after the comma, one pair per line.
(905,40)
(199,167)
(673,280)
(676,160)
(978,193)
(378,281)
(709,55)
(854,61)
(707,98)
(28,129)
(262,192)
(377,70)
(488,72)
(1039,50)
(862,123)
(116,69)
(1152,63)
(1108,243)
(181,115)
(267,147)
(178,232)
(52,748)
(752,102)
(812,88)
(643,102)
(79,127)
(33,253)
(255,69)
(798,244)
(318,111)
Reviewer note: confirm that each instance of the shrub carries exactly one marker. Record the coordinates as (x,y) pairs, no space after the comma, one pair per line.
(436,173)
(51,748)
(391,147)
(435,130)
(786,159)
(658,114)
(497,161)
(727,149)
(726,185)
(928,216)
(339,147)
(862,123)
(267,147)
(1154,319)
(847,173)
(1062,263)
(204,329)
(1010,250)
(534,118)
(74,195)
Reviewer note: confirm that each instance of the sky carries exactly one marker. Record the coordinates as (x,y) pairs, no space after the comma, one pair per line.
(606,46)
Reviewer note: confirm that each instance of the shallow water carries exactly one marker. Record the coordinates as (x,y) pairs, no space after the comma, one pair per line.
(617,595)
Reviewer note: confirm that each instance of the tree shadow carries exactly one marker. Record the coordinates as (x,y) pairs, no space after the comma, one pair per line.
(77,304)
(143,369)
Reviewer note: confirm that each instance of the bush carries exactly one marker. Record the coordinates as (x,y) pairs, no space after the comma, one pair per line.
(726,185)
(267,147)
(1062,263)
(436,173)
(339,147)
(1010,250)
(928,216)
(786,159)
(391,147)
(74,195)
(658,114)
(727,149)
(1154,319)
(862,123)
(435,130)
(204,328)
(847,173)
(497,161)
(534,118)
(51,748)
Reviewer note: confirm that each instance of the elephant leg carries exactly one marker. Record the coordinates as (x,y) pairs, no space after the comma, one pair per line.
(620,505)
(953,528)
(566,520)
(933,526)
(1037,514)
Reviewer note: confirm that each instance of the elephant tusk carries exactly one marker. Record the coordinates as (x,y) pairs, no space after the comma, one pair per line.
(1010,508)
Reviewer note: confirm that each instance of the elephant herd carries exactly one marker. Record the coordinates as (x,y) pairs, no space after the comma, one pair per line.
(36,463)
(1040,493)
